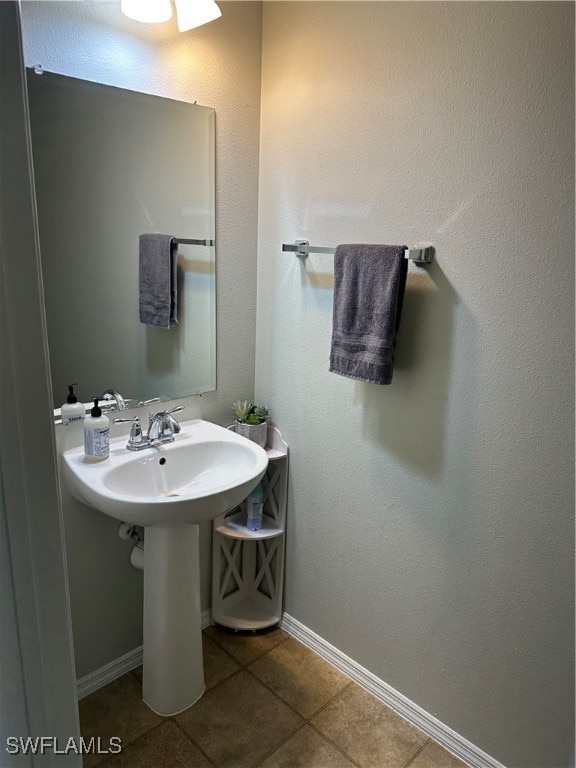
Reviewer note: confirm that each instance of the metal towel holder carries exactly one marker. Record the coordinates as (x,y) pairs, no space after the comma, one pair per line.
(421,253)
(184,241)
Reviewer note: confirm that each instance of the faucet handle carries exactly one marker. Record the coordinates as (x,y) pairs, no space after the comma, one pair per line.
(136,439)
(174,425)
(176,409)
(147,402)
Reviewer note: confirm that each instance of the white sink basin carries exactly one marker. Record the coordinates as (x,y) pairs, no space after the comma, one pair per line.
(205,472)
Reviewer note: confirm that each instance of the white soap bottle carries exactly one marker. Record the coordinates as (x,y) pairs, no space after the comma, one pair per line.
(72,410)
(96,435)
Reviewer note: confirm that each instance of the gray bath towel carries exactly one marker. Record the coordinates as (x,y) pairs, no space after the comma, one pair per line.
(369,282)
(158,286)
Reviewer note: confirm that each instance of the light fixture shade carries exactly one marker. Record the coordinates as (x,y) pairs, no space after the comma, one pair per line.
(150,11)
(194,13)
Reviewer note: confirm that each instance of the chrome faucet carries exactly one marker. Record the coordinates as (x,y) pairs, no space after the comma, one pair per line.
(110,397)
(162,427)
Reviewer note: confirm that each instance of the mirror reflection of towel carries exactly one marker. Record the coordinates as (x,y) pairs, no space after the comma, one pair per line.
(369,282)
(157,279)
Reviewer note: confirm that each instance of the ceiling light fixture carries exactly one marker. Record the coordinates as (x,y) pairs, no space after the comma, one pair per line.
(149,11)
(194,13)
(190,13)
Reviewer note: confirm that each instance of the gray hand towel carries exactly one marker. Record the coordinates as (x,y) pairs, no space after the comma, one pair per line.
(158,286)
(369,282)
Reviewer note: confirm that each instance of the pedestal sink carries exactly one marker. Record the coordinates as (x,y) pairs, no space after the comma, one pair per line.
(205,472)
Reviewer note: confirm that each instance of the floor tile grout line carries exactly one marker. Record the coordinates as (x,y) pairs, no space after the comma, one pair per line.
(333,744)
(306,721)
(415,755)
(340,749)
(182,729)
(306,718)
(224,650)
(237,660)
(280,744)
(130,744)
(323,735)
(246,667)
(276,695)
(299,726)
(194,743)
(243,668)
(220,682)
(340,692)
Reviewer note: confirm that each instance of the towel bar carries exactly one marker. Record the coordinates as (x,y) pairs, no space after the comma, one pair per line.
(182,241)
(420,254)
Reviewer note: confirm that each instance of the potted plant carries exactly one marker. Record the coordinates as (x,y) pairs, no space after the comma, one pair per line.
(251,421)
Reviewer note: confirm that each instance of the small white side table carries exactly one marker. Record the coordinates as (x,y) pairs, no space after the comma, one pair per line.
(248,566)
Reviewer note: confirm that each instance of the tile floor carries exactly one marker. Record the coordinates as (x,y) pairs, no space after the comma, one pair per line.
(270,702)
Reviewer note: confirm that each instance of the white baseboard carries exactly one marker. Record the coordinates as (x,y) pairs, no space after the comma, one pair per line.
(101,677)
(449,739)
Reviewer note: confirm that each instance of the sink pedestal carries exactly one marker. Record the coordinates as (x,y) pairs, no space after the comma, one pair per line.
(204,472)
(173,677)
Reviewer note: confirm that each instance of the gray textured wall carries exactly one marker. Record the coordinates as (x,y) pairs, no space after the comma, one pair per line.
(431,521)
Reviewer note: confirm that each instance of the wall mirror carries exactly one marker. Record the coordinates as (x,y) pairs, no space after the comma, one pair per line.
(111,164)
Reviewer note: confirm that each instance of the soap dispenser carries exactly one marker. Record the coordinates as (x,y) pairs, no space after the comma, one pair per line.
(96,435)
(72,410)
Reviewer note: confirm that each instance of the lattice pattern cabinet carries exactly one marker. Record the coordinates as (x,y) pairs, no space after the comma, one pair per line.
(248,566)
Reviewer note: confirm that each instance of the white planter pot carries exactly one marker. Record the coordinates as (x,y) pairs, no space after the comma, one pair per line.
(255,432)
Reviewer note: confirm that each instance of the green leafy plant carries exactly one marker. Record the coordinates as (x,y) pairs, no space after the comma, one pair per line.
(248,413)
(261,413)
